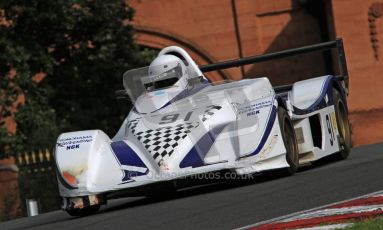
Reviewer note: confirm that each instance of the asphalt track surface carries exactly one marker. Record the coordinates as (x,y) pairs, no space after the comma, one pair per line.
(231,204)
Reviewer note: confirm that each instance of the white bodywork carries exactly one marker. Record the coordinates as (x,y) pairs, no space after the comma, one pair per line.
(197,128)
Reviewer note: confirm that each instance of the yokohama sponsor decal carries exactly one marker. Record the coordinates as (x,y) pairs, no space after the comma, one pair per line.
(328,217)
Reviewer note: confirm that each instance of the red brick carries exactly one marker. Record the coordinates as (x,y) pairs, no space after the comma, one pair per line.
(267,26)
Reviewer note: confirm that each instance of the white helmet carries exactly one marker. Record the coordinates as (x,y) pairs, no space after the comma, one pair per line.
(165,71)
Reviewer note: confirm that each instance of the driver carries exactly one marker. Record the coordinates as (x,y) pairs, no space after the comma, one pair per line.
(165,71)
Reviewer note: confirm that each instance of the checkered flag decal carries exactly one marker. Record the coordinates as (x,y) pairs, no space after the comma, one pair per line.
(161,142)
(132,125)
(210,112)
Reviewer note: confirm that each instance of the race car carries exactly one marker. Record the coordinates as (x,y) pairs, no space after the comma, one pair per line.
(181,125)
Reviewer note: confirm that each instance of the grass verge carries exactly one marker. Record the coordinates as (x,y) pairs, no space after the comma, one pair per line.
(371,224)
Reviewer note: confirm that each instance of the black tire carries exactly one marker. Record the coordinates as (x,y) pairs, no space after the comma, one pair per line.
(290,141)
(84,211)
(343,125)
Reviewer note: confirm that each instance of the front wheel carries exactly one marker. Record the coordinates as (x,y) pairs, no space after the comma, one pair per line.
(86,211)
(290,141)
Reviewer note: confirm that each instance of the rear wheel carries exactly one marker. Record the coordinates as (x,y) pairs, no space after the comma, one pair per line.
(343,125)
(290,141)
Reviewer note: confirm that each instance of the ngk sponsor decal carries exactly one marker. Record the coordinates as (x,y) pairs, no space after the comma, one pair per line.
(74,142)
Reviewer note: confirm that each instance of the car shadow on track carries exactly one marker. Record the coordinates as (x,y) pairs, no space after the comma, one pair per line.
(190,187)
(196,187)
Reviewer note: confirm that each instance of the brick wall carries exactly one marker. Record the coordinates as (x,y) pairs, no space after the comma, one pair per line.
(266,26)
(205,25)
(8,189)
(351,21)
(263,26)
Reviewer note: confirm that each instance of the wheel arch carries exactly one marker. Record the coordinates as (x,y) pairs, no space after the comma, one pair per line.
(337,85)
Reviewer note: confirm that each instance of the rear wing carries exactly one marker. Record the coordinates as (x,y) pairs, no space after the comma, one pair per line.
(336,45)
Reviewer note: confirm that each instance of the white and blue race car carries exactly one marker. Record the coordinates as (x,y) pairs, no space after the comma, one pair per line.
(181,125)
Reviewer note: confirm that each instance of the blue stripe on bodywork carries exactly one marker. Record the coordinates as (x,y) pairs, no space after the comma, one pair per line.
(266,133)
(196,155)
(194,158)
(126,156)
(320,103)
